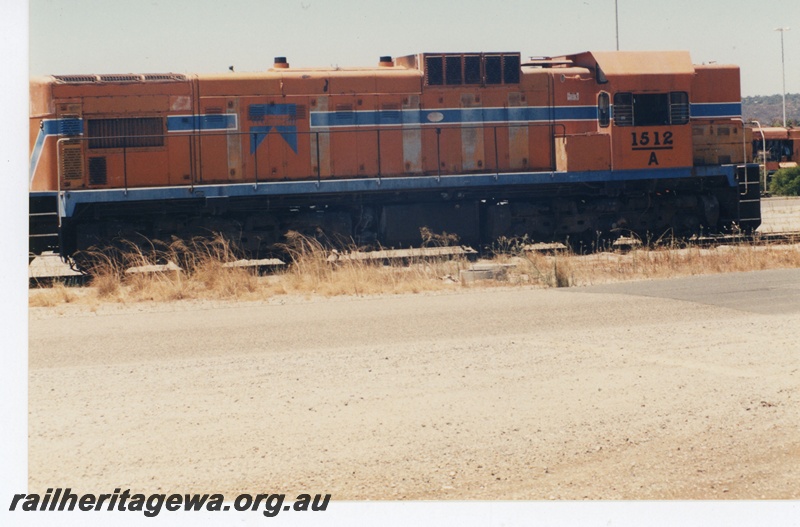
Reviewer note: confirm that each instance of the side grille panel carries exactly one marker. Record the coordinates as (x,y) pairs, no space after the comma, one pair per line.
(136,132)
(72,161)
(97,171)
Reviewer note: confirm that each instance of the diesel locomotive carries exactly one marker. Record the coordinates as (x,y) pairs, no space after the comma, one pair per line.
(480,145)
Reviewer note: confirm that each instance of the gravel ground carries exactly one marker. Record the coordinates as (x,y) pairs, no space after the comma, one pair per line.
(780,214)
(494,394)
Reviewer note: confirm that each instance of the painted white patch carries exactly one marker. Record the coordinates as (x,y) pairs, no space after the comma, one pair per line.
(435,117)
(180,103)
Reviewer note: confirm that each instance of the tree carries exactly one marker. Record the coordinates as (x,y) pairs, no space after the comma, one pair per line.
(786,182)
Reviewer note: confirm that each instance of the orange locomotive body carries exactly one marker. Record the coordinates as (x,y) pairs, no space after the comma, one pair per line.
(477,144)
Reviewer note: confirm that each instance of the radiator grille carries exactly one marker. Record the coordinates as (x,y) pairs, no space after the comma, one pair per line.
(76,79)
(136,132)
(162,77)
(434,70)
(120,78)
(511,65)
(453,69)
(148,77)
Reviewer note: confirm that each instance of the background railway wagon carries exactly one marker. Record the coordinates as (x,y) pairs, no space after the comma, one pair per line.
(777,148)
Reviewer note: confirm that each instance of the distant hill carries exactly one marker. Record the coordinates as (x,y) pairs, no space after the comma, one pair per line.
(768,109)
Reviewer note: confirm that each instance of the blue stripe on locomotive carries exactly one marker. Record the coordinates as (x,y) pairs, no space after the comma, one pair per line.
(715,109)
(453,116)
(213,122)
(67,126)
(445,116)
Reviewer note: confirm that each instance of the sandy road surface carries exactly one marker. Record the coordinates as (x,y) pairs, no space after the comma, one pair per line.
(780,214)
(496,394)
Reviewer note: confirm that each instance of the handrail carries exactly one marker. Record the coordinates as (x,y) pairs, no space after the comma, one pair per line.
(438,154)
(125,167)
(58,177)
(319,164)
(496,156)
(350,130)
(254,176)
(763,151)
(254,138)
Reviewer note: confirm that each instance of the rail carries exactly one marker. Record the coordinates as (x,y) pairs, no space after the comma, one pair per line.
(49,268)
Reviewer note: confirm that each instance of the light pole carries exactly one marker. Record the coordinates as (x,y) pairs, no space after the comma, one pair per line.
(616,17)
(783,73)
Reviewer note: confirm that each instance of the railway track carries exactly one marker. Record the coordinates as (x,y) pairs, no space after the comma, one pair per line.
(771,238)
(755,239)
(48,269)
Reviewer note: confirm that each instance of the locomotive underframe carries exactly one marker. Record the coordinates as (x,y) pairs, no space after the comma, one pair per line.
(580,213)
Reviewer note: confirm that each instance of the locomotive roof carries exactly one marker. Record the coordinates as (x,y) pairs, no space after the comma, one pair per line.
(313,72)
(620,63)
(612,64)
(631,69)
(269,73)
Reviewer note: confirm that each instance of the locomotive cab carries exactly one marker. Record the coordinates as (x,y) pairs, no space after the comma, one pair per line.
(642,107)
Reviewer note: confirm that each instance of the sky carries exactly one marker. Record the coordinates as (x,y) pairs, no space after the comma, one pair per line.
(203,36)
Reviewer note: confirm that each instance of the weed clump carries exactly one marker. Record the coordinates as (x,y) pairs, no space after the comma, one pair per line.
(318,270)
(157,271)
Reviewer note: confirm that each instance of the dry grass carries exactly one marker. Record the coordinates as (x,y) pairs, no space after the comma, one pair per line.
(56,294)
(315,270)
(165,273)
(640,264)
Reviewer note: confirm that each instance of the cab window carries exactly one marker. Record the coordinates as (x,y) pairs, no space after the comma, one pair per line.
(603,109)
(651,109)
